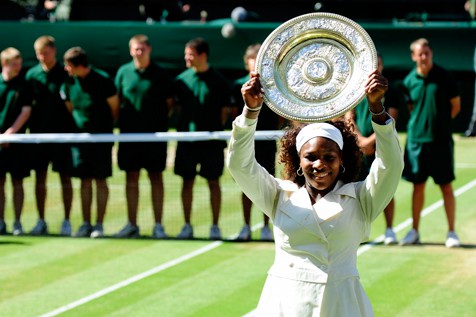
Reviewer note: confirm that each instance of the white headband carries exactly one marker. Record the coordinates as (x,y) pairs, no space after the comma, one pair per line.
(319,129)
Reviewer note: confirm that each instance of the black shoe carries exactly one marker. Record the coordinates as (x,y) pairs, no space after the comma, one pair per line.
(3,227)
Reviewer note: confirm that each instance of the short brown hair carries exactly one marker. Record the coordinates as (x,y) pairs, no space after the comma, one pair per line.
(44,41)
(76,56)
(200,45)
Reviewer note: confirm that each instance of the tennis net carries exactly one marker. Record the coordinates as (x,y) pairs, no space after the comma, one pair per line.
(231,215)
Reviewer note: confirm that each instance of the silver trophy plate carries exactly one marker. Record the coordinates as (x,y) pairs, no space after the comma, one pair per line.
(314,67)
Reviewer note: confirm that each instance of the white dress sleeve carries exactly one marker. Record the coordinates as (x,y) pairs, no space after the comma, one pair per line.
(381,183)
(253,179)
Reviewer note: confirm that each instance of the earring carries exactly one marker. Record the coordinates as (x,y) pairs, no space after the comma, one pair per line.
(342,169)
(299,172)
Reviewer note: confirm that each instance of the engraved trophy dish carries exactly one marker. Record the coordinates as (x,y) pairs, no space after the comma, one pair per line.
(314,67)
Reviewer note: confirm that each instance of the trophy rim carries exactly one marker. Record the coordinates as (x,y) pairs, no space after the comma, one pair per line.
(360,50)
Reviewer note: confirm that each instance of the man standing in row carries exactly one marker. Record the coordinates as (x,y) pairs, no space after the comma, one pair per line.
(203,96)
(429,151)
(15,109)
(91,97)
(265,150)
(145,91)
(50,115)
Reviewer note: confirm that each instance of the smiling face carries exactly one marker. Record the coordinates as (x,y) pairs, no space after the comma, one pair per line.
(193,59)
(320,160)
(422,55)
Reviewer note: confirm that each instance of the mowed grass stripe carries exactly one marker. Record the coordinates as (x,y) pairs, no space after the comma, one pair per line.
(95,266)
(223,282)
(427,279)
(39,261)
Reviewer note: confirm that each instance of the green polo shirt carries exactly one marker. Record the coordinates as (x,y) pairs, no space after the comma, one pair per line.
(430,119)
(91,112)
(202,97)
(49,113)
(143,95)
(14,94)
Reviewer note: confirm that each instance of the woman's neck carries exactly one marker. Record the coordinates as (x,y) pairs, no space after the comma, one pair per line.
(316,194)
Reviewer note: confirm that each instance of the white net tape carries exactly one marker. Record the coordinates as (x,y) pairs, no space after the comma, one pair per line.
(129,137)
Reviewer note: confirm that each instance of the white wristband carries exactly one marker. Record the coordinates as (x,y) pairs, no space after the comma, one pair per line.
(253,109)
(378,113)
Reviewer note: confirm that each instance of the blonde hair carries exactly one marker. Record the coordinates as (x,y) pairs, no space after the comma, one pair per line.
(420,42)
(9,54)
(44,41)
(139,38)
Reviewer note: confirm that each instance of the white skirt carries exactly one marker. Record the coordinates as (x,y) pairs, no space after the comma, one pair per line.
(283,297)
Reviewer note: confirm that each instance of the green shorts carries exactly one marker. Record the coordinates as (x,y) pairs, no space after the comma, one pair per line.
(423,160)
(206,154)
(58,154)
(151,156)
(92,160)
(14,159)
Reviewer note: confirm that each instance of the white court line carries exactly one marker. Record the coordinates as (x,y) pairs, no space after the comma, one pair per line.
(133,279)
(465,165)
(425,212)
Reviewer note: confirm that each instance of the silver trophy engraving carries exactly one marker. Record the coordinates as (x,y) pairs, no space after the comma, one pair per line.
(314,67)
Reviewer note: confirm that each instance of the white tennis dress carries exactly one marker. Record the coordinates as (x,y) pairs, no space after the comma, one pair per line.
(315,272)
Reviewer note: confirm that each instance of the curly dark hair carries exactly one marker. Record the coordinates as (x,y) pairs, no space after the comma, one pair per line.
(351,155)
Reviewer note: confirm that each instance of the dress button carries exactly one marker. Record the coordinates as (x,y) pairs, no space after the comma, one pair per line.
(291,264)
